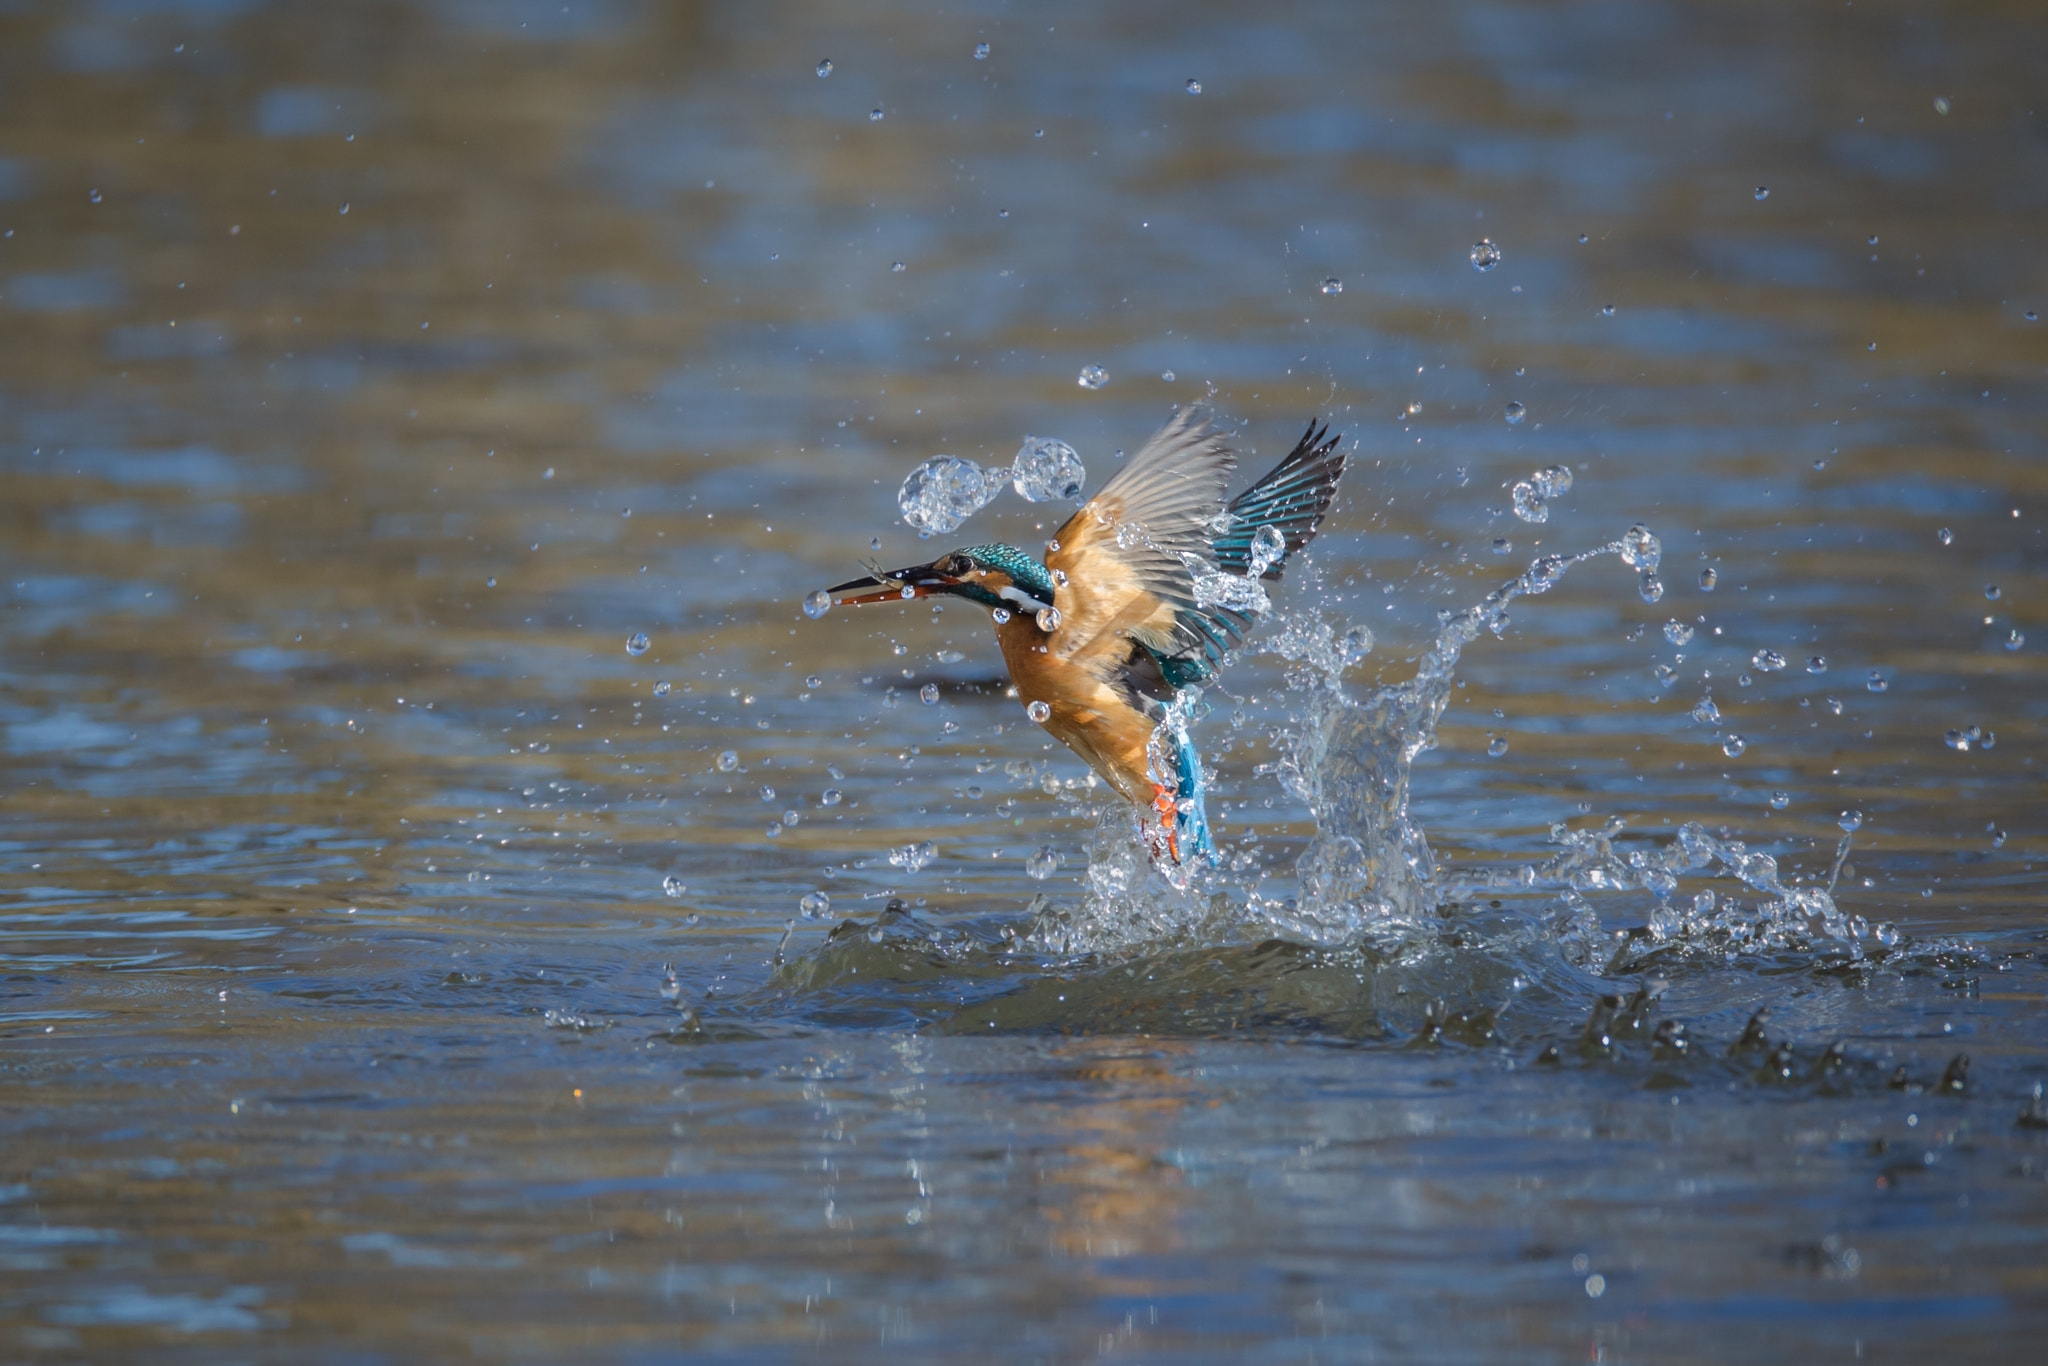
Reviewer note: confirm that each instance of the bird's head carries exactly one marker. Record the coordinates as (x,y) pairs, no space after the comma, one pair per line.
(999,577)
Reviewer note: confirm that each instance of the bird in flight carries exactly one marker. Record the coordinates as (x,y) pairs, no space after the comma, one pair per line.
(1141,593)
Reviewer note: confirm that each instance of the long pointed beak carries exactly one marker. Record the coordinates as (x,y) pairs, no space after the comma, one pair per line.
(918,581)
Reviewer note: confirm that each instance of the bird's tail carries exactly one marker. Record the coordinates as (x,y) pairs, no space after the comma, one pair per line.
(1177,769)
(1191,815)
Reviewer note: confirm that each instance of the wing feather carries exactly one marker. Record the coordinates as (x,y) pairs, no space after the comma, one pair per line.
(1125,555)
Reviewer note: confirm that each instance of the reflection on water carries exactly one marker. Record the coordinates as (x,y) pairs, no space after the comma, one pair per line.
(398,962)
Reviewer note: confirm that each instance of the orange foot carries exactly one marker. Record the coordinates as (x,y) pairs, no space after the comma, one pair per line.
(1169,812)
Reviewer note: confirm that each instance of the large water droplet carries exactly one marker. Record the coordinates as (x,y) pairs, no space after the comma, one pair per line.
(817,603)
(1706,712)
(1850,821)
(1817,664)
(831,796)
(1770,661)
(1047,470)
(1992,593)
(1092,377)
(664,688)
(929,694)
(824,68)
(814,905)
(875,114)
(1048,619)
(1733,744)
(1878,682)
(1515,413)
(945,491)
(1268,546)
(638,644)
(1641,548)
(1763,192)
(1528,505)
(1780,800)
(1708,578)
(1333,285)
(1042,863)
(914,858)
(1194,86)
(1945,536)
(1677,632)
(1485,255)
(1354,645)
(672,886)
(728,760)
(1496,746)
(981,52)
(1039,712)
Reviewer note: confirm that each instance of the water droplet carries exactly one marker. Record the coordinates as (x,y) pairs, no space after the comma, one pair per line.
(1957,739)
(1047,470)
(1039,712)
(1649,587)
(1607,310)
(1665,675)
(1769,661)
(1886,933)
(875,114)
(664,688)
(1817,664)
(491,582)
(945,491)
(1048,619)
(1733,744)
(94,196)
(1485,255)
(1267,548)
(1991,592)
(1596,1286)
(999,615)
(1515,413)
(1641,548)
(638,644)
(1780,800)
(1941,105)
(814,681)
(791,817)
(1677,632)
(1354,645)
(1496,746)
(824,68)
(1945,536)
(831,796)
(914,858)
(897,267)
(1877,682)
(672,886)
(929,693)
(1850,821)
(1998,842)
(1708,578)
(1043,863)
(981,52)
(1552,480)
(1503,546)
(1706,712)
(1092,377)
(814,905)
(344,206)
(1194,86)
(1834,704)
(1763,192)
(2031,316)
(2015,640)
(1333,285)
(817,603)
(767,793)
(1038,133)
(728,760)
(1583,239)
(1528,506)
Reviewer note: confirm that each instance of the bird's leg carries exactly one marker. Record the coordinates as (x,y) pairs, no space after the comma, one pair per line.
(1163,802)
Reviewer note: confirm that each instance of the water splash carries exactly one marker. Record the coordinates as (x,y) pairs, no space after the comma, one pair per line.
(1368,878)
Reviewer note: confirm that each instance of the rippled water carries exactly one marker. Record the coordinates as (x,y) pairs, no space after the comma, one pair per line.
(420,426)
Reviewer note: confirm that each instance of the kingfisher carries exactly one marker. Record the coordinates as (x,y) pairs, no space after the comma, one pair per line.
(1141,594)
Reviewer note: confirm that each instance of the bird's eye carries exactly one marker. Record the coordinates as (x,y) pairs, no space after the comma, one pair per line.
(956,566)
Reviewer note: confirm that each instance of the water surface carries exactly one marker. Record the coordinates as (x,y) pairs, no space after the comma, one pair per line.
(393,970)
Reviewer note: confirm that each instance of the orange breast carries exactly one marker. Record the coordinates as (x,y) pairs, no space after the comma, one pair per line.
(1087,715)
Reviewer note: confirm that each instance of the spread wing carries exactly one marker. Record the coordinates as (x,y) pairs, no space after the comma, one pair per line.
(1126,558)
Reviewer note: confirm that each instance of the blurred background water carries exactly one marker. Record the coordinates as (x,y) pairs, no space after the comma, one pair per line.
(392,967)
